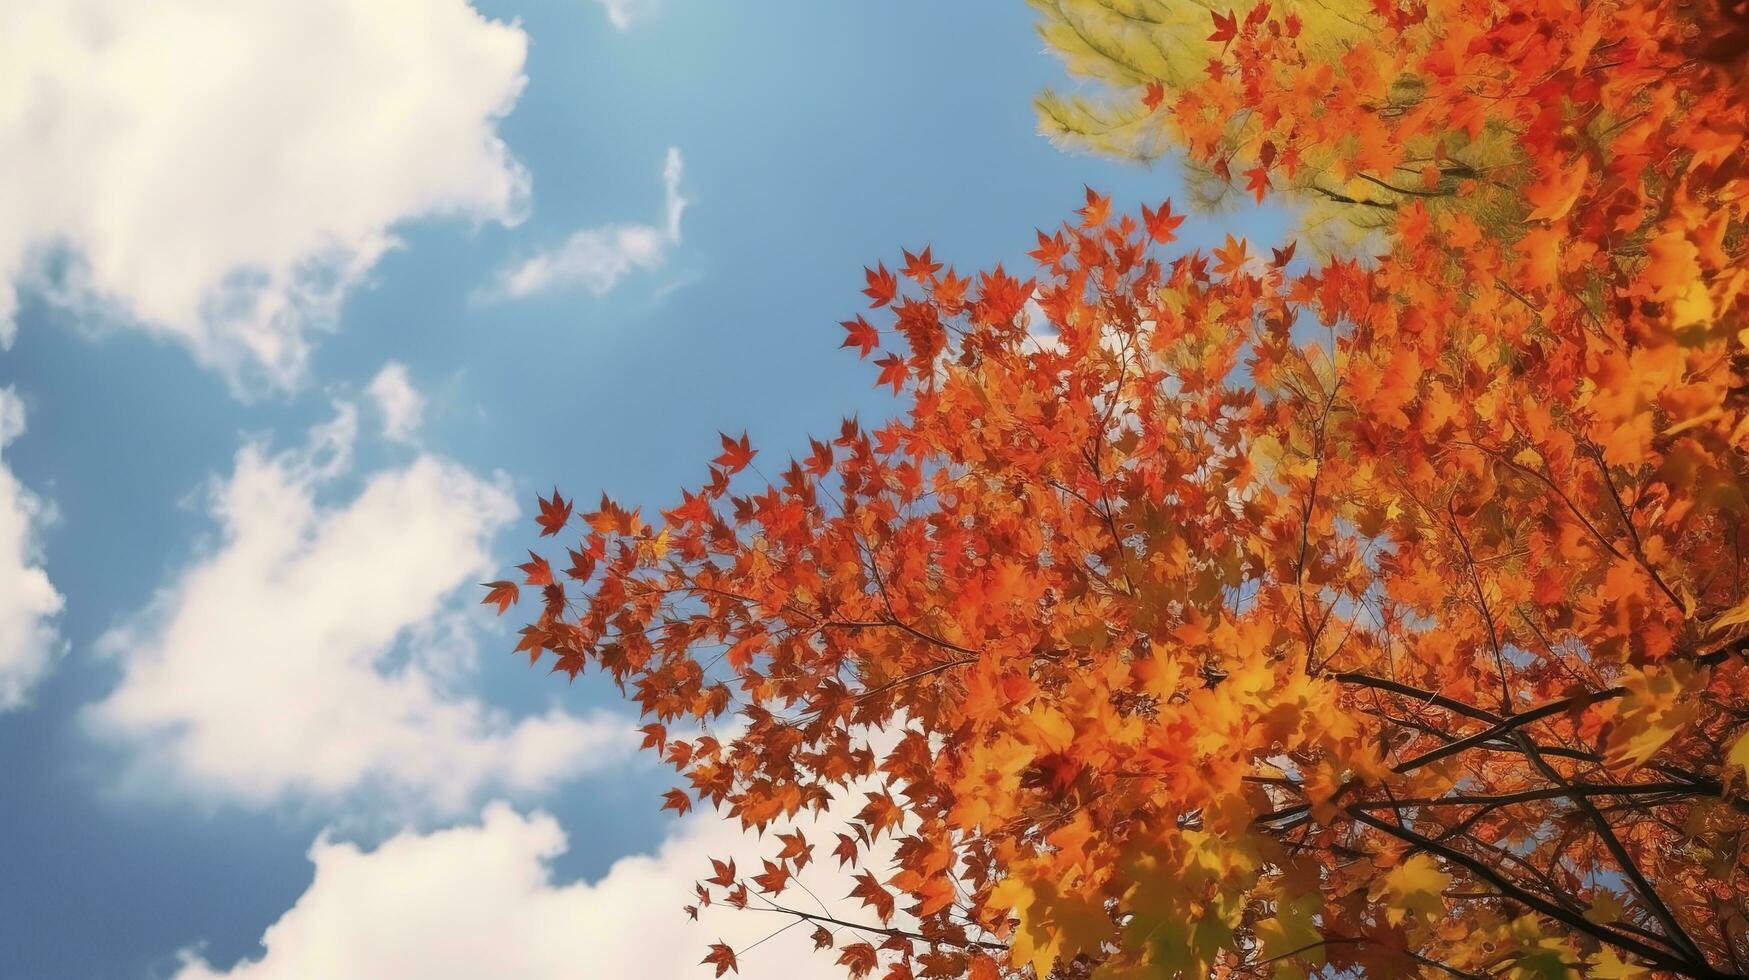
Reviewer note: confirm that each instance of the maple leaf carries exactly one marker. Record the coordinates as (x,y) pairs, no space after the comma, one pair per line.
(773,879)
(503,594)
(858,958)
(554,513)
(1161,224)
(846,850)
(1672,263)
(737,453)
(1555,195)
(1153,95)
(796,850)
(893,372)
(1283,255)
(1656,706)
(861,335)
(724,873)
(1232,257)
(1226,28)
(582,564)
(1257,181)
(1051,250)
(882,286)
(1097,210)
(722,957)
(678,801)
(920,268)
(536,570)
(819,461)
(873,895)
(982,967)
(1415,888)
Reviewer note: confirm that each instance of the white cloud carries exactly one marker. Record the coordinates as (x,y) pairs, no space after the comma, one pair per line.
(222,173)
(621,13)
(598,259)
(314,652)
(28,642)
(398,403)
(480,901)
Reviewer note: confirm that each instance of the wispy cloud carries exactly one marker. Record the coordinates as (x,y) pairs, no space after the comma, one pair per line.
(399,405)
(599,259)
(622,13)
(28,602)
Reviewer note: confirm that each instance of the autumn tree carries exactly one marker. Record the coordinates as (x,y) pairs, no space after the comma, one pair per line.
(1363,108)
(1231,615)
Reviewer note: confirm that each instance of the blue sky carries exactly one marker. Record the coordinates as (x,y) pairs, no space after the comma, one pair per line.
(238,523)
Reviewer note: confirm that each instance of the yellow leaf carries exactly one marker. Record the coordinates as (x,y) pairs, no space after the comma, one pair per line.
(1054,924)
(1694,304)
(1031,943)
(1737,615)
(1051,731)
(1654,709)
(1672,264)
(1414,889)
(1606,908)
(1606,965)
(1737,757)
(1292,931)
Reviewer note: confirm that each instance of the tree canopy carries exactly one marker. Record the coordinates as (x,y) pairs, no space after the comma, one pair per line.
(1236,614)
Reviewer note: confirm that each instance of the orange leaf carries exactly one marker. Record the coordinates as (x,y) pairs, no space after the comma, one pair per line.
(504,594)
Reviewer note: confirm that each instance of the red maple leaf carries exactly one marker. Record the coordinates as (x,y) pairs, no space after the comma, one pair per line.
(919,268)
(677,800)
(736,453)
(1257,181)
(892,372)
(722,957)
(554,513)
(1226,28)
(882,285)
(1161,223)
(537,570)
(862,335)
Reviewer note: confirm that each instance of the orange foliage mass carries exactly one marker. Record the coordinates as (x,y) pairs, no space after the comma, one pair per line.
(1251,618)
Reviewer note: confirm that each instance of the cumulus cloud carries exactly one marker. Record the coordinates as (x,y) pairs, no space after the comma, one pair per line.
(315,653)
(480,901)
(399,405)
(28,602)
(598,259)
(222,173)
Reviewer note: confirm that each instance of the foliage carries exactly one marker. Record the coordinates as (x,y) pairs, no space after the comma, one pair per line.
(1230,616)
(1363,108)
